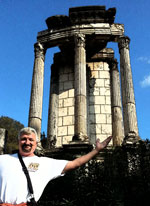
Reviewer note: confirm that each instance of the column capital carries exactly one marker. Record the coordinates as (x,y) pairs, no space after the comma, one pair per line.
(123,42)
(79,40)
(39,50)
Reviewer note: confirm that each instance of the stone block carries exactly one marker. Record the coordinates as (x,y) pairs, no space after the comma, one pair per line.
(59,142)
(99,82)
(105,91)
(98,66)
(101,118)
(61,103)
(63,95)
(71,93)
(62,112)
(94,91)
(104,74)
(94,74)
(60,121)
(94,109)
(62,131)
(70,110)
(98,128)
(107,83)
(68,85)
(108,100)
(67,139)
(67,120)
(109,118)
(106,66)
(63,78)
(107,129)
(99,99)
(71,130)
(68,102)
(105,109)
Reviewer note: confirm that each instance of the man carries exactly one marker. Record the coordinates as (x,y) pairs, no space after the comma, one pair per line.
(13,182)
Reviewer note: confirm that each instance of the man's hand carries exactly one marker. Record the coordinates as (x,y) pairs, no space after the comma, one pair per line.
(102,145)
(85,158)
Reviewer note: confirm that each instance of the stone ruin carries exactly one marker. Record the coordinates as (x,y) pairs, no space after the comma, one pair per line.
(87,99)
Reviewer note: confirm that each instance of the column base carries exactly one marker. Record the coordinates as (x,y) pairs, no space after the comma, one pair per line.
(78,142)
(131,138)
(80,138)
(78,146)
(39,150)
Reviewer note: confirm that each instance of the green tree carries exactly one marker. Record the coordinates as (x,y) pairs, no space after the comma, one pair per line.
(13,127)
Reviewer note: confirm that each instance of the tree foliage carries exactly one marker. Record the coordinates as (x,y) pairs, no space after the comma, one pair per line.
(13,127)
(122,179)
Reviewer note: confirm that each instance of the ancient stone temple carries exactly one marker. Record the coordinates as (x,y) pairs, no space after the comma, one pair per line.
(90,97)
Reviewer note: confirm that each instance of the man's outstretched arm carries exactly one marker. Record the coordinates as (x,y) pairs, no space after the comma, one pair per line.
(85,158)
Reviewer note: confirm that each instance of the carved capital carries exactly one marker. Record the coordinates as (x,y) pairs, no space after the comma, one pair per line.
(39,51)
(79,40)
(123,42)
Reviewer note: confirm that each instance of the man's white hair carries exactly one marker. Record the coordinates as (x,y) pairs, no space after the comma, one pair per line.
(27,130)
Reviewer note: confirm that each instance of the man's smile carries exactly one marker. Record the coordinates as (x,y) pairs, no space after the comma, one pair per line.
(27,147)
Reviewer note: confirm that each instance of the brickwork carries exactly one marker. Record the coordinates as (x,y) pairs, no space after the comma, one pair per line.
(66,106)
(85,88)
(100,124)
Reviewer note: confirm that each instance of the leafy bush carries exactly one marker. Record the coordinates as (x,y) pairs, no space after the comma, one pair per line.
(122,179)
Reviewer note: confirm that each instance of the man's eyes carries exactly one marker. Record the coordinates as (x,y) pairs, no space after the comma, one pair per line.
(24,139)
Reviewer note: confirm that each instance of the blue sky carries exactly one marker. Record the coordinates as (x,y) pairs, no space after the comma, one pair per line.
(20,20)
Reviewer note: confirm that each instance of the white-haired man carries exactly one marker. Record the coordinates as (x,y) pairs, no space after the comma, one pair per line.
(13,183)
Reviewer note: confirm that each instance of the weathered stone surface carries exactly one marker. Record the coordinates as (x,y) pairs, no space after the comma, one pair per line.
(2,140)
(85,100)
(128,100)
(80,88)
(117,119)
(35,113)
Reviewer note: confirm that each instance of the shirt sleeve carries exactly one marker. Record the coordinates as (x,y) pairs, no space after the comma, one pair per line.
(55,167)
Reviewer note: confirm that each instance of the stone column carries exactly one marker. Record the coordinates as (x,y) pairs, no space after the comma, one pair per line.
(3,136)
(80,89)
(53,108)
(128,100)
(36,100)
(117,119)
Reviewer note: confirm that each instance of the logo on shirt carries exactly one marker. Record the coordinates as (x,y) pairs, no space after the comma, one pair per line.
(33,167)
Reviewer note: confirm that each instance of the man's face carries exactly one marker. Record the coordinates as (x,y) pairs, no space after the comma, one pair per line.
(27,144)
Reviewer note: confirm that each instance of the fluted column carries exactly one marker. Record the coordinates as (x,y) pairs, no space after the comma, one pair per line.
(128,100)
(53,108)
(80,89)
(36,100)
(117,119)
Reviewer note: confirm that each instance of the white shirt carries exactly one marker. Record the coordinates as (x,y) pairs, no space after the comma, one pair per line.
(13,182)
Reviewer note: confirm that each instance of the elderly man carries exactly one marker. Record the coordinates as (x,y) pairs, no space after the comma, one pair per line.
(13,182)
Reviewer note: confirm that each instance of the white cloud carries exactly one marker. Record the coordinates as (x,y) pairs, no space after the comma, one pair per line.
(144,59)
(145,82)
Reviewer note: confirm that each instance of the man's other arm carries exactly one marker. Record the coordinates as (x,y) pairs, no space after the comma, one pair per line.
(85,158)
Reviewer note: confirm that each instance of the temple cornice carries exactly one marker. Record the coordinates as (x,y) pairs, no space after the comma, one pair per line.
(54,37)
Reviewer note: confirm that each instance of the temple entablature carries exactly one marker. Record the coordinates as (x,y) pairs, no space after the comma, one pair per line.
(94,22)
